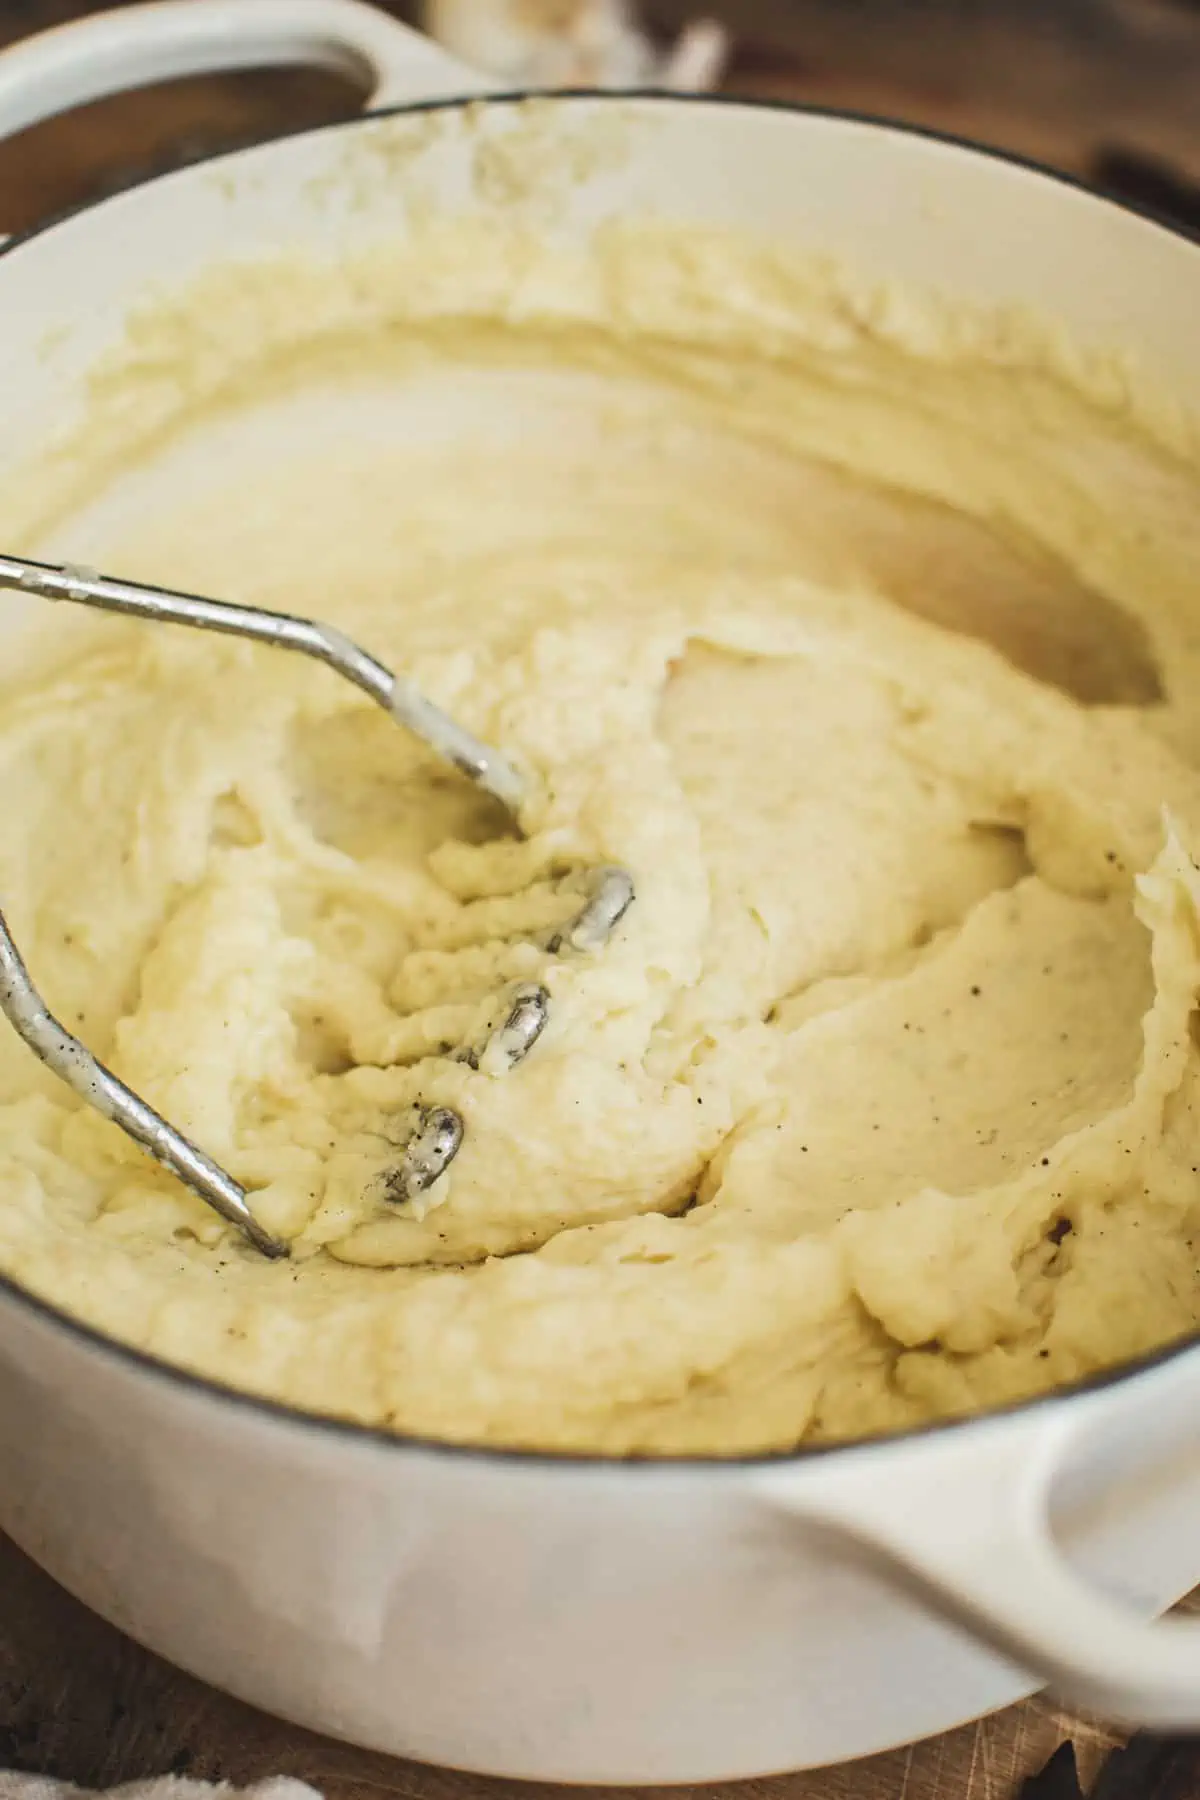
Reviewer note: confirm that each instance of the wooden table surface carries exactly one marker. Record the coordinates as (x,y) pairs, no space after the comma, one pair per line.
(1113,93)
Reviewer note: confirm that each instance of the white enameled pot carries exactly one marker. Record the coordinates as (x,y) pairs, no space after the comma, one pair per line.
(584,1620)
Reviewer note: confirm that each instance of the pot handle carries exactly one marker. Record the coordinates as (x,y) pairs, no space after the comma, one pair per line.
(165,39)
(963,1518)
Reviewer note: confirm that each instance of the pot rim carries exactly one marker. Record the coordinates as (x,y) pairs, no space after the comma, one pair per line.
(949,140)
(277,1412)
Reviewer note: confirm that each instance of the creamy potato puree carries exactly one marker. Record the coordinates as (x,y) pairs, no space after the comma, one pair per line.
(864,634)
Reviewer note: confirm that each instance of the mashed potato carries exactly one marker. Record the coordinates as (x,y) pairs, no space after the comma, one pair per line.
(864,636)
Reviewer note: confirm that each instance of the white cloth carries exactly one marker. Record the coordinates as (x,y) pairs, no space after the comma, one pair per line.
(161,1787)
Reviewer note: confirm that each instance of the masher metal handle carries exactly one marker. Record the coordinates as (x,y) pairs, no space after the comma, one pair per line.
(87,1075)
(397,696)
(19,999)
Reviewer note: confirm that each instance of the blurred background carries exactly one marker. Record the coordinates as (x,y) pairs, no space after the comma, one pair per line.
(1107,90)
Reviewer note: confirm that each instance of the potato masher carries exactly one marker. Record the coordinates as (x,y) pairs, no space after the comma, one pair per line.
(437,1131)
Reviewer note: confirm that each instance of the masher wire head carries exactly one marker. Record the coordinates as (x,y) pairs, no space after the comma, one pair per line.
(437,1132)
